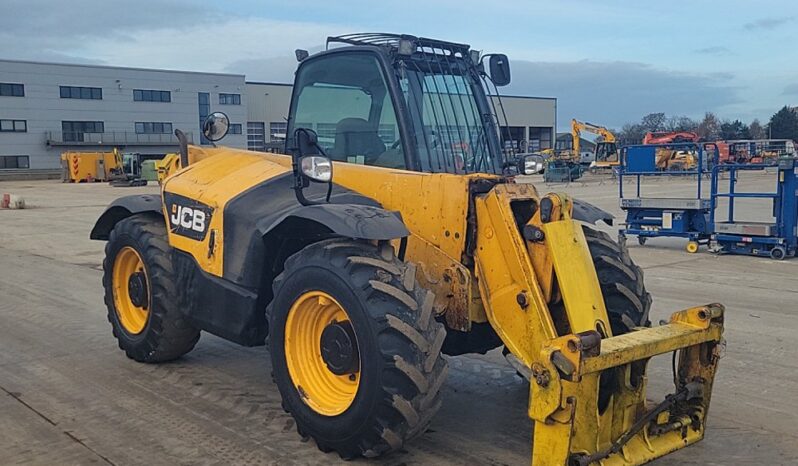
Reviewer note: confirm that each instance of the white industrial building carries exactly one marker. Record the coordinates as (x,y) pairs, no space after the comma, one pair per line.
(48,108)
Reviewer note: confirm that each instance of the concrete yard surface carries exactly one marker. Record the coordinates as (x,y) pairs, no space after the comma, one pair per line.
(68,395)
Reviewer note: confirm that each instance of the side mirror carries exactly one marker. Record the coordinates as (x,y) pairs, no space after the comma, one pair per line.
(310,163)
(531,164)
(215,126)
(499,66)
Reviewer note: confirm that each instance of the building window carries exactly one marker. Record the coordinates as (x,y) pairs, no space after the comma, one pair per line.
(13,126)
(12,90)
(14,161)
(74,131)
(151,95)
(235,128)
(76,92)
(204,107)
(147,127)
(513,138)
(230,99)
(256,136)
(277,131)
(539,138)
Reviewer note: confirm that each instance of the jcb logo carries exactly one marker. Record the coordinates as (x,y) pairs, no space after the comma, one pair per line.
(187,217)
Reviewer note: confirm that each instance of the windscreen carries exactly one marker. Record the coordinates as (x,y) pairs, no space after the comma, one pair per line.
(451,130)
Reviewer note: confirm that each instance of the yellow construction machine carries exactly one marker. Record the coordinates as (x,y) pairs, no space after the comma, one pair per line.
(393,233)
(606,151)
(121,170)
(82,167)
(169,164)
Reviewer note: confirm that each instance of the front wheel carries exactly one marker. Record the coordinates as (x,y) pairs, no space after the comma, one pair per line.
(355,348)
(140,292)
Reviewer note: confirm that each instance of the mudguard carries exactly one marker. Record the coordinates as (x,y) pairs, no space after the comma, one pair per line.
(586,212)
(351,220)
(122,208)
(258,220)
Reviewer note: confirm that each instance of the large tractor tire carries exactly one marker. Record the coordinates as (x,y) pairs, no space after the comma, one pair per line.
(355,347)
(628,303)
(141,294)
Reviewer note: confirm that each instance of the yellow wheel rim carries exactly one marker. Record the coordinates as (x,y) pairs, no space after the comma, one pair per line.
(322,390)
(132,309)
(692,247)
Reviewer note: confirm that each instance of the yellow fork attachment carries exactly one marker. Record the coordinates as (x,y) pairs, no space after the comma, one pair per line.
(588,388)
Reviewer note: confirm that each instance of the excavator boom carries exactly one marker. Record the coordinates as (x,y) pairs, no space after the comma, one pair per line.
(606,152)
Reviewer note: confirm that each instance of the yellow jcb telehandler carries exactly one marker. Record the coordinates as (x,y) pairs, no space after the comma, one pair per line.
(393,232)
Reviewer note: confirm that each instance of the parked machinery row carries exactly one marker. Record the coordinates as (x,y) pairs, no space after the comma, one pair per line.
(696,217)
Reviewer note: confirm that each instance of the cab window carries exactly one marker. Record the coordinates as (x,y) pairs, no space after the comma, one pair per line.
(344,98)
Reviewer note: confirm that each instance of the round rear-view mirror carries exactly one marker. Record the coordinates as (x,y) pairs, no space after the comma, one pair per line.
(215,126)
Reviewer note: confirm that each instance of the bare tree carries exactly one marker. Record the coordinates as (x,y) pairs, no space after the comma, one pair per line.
(680,123)
(756,130)
(709,128)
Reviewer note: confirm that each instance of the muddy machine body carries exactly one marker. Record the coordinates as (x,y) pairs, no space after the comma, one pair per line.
(392,232)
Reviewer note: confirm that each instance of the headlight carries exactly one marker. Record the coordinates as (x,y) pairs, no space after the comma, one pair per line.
(316,168)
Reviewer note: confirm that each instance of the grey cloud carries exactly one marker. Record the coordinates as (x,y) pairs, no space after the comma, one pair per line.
(43,26)
(768,23)
(99,18)
(716,50)
(610,93)
(272,69)
(791,89)
(721,75)
(613,93)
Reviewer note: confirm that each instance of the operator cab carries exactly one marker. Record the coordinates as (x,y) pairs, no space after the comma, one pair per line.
(402,102)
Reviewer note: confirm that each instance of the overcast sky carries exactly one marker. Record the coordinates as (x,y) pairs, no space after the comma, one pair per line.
(608,62)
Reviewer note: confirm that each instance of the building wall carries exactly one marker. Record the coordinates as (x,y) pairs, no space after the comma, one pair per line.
(267,104)
(44,110)
(531,122)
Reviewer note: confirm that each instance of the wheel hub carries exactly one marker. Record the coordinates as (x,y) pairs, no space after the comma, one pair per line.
(137,288)
(339,348)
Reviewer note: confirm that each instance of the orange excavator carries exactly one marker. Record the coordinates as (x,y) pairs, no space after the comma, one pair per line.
(668,137)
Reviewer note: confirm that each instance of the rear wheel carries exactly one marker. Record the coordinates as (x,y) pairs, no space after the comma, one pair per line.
(140,292)
(778,253)
(355,347)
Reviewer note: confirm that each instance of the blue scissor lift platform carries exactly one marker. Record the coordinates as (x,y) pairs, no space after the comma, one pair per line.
(777,239)
(652,217)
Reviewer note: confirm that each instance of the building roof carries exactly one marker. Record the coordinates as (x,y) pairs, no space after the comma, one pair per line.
(268,83)
(110,67)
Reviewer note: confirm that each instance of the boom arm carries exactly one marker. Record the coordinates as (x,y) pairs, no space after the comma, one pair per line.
(576,132)
(522,277)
